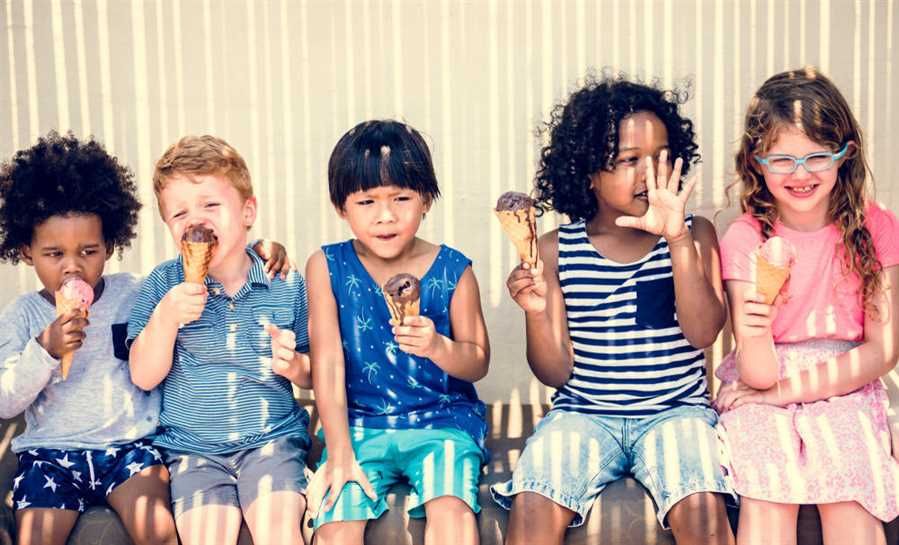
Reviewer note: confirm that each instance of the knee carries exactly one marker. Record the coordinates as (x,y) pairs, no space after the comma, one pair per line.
(700,518)
(448,508)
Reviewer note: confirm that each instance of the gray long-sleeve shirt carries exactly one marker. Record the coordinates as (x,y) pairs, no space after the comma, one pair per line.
(98,405)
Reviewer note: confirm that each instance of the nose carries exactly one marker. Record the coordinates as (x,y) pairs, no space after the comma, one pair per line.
(71,266)
(385,214)
(801,172)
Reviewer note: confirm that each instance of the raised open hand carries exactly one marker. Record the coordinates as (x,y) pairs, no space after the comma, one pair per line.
(667,203)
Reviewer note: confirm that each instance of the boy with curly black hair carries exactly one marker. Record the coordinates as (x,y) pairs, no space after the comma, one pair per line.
(66,207)
(618,310)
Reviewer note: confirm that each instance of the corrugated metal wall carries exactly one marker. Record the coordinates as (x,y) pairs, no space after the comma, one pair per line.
(282,80)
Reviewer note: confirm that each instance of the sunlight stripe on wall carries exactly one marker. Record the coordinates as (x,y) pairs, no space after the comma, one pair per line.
(63,123)
(146,241)
(289,151)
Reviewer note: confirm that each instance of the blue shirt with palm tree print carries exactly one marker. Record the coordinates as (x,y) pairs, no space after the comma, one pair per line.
(386,387)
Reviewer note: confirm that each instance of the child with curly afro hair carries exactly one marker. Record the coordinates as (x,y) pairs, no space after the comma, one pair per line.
(66,206)
(618,309)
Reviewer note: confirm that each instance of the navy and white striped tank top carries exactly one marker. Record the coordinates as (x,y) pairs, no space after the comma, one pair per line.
(631,358)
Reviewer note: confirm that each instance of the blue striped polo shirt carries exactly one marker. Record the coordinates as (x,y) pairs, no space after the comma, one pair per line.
(221,394)
(631,358)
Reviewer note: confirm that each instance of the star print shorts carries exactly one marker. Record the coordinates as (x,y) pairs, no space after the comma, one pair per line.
(434,462)
(77,479)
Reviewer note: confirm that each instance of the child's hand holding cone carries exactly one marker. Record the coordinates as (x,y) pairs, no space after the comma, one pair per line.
(73,301)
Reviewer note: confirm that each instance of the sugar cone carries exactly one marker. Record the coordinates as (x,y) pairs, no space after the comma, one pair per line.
(769,279)
(195,258)
(398,311)
(521,227)
(64,305)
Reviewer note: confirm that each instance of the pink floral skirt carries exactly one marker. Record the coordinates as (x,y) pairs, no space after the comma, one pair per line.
(829,451)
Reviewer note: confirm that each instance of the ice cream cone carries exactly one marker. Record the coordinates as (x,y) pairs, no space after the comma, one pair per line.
(75,294)
(195,258)
(403,296)
(773,261)
(770,279)
(521,227)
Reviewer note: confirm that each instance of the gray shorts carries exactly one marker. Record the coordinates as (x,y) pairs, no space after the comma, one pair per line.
(239,478)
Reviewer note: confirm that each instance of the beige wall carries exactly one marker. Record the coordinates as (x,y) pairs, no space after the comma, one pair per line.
(282,80)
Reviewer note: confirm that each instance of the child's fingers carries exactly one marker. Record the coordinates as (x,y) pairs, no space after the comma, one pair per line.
(331,492)
(650,175)
(663,181)
(627,221)
(365,484)
(689,185)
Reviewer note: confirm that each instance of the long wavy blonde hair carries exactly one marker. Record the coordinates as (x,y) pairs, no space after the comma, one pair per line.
(808,100)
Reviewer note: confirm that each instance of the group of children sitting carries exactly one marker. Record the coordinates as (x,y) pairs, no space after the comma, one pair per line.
(178,409)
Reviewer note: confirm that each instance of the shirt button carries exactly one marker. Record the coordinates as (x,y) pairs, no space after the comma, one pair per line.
(232,328)
(231,305)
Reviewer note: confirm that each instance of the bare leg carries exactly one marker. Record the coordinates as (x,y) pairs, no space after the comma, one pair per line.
(767,523)
(536,519)
(210,525)
(848,522)
(39,526)
(143,504)
(700,519)
(350,532)
(450,521)
(274,519)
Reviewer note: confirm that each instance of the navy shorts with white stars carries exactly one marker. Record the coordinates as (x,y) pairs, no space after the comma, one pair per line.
(77,479)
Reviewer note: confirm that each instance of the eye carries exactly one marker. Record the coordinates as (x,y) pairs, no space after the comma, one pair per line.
(364,202)
(88,251)
(627,161)
(178,215)
(53,253)
(211,204)
(403,198)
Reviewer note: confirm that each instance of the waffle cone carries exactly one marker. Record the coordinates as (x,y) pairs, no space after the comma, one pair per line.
(769,279)
(398,311)
(195,258)
(64,305)
(521,227)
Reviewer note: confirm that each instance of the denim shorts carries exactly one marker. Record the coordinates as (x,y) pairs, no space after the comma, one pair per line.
(237,479)
(571,457)
(434,462)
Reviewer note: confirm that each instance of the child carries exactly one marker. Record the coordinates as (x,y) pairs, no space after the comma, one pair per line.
(617,311)
(67,206)
(225,353)
(396,403)
(806,421)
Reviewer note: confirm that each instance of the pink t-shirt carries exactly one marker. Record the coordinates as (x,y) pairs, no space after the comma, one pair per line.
(821,301)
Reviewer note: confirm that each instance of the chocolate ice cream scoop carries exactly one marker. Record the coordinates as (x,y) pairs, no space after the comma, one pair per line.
(513,200)
(403,288)
(198,233)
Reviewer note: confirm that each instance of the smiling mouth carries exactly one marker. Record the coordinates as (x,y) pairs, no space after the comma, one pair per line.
(641,195)
(802,190)
(385,237)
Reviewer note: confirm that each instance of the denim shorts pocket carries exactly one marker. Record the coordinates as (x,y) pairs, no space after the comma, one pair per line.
(655,303)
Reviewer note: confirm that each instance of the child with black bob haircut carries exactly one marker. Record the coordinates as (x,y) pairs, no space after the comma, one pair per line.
(395,397)
(618,309)
(67,206)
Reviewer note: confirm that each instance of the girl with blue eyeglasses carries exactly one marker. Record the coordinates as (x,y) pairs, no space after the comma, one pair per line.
(803,408)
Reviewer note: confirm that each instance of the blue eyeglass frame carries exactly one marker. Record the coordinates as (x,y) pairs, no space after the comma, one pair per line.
(800,161)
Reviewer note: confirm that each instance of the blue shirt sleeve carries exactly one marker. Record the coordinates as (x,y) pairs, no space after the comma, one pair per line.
(151,293)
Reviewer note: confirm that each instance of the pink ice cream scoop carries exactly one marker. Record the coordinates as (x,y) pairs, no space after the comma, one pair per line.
(778,251)
(76,292)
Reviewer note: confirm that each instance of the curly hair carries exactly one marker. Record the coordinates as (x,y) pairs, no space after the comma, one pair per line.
(59,176)
(808,100)
(583,139)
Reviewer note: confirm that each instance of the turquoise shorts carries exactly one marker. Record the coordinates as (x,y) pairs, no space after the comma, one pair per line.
(435,463)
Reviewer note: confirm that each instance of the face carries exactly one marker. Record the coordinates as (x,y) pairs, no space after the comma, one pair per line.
(66,246)
(385,219)
(802,197)
(622,191)
(209,200)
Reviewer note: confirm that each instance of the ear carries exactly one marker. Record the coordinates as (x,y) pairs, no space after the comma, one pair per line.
(426,205)
(851,151)
(25,251)
(249,212)
(110,249)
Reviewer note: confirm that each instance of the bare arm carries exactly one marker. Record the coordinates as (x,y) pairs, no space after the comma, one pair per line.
(699,296)
(757,361)
(150,357)
(538,293)
(465,356)
(874,358)
(329,382)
